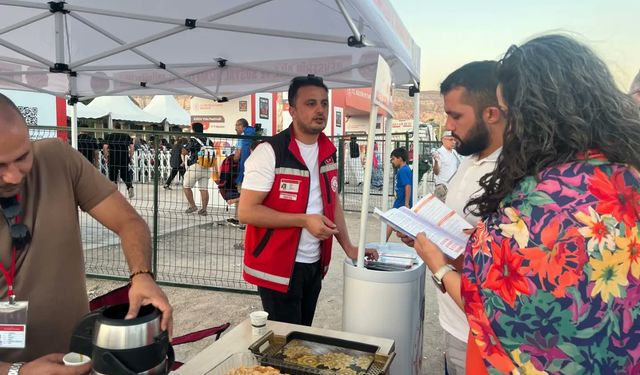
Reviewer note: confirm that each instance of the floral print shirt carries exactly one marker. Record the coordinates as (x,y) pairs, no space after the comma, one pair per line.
(551,282)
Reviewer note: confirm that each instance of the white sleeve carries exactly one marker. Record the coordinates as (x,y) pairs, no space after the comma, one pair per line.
(260,169)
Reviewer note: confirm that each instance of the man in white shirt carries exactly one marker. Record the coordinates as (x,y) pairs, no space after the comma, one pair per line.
(445,164)
(477,124)
(290,204)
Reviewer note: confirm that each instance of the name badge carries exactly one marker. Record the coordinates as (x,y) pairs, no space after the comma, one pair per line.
(13,325)
(289,186)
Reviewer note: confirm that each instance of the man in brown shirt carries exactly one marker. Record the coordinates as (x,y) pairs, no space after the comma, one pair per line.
(50,181)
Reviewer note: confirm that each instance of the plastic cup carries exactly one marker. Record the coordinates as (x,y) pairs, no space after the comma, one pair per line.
(75,359)
(259,322)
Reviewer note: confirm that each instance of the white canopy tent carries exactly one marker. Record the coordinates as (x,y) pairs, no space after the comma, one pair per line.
(168,108)
(227,48)
(122,108)
(219,50)
(84,112)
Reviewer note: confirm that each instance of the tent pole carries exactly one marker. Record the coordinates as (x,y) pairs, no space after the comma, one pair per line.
(416,145)
(347,17)
(59,36)
(366,184)
(144,55)
(26,22)
(25,53)
(387,174)
(74,127)
(110,121)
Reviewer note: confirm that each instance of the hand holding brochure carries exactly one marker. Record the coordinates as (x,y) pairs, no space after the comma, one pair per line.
(441,224)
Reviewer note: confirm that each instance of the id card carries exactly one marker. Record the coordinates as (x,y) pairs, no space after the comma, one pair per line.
(13,325)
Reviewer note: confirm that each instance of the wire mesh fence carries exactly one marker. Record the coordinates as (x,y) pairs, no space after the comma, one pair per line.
(196,248)
(352,155)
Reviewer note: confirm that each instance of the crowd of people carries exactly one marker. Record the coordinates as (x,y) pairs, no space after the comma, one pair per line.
(540,156)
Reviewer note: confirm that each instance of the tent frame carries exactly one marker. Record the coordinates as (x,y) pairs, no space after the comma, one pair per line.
(58,10)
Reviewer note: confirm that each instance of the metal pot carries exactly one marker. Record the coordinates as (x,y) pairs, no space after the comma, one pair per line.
(124,347)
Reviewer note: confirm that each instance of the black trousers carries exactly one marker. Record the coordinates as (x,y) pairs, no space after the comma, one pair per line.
(120,166)
(298,305)
(172,175)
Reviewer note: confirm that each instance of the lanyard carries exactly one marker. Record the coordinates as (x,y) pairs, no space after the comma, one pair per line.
(9,275)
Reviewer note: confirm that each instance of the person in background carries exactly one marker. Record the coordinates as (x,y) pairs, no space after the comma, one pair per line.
(634,90)
(404,181)
(551,276)
(42,185)
(355,165)
(117,151)
(376,173)
(244,149)
(196,174)
(290,204)
(176,162)
(88,147)
(445,164)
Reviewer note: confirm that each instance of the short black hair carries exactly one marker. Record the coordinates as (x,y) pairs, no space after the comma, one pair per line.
(401,153)
(479,79)
(245,123)
(302,81)
(197,127)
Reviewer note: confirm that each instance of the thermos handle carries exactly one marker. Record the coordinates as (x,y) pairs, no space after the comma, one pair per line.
(171,355)
(82,337)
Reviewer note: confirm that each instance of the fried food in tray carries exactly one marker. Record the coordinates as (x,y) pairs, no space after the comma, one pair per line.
(324,356)
(254,370)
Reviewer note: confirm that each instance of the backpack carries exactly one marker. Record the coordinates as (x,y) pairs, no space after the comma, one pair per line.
(227,178)
(206,155)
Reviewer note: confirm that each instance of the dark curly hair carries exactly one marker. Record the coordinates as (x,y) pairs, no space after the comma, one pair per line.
(561,101)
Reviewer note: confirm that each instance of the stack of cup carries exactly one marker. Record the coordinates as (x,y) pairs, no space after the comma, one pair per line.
(259,322)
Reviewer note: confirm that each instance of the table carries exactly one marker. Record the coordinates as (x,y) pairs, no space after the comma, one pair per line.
(240,338)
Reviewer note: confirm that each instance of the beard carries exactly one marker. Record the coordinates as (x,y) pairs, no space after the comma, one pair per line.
(477,140)
(311,128)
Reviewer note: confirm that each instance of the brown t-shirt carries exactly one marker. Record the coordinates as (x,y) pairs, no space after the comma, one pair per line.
(50,270)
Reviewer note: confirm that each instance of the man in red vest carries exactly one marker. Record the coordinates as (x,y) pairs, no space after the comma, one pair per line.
(291,208)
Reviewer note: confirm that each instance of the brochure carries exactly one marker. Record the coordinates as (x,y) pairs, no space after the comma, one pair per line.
(441,224)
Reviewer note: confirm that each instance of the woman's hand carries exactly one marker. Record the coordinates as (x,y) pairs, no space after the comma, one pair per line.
(429,252)
(405,239)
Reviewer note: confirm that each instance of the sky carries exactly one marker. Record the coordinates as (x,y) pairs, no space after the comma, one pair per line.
(451,33)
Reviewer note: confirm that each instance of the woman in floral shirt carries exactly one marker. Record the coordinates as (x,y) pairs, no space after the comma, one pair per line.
(551,277)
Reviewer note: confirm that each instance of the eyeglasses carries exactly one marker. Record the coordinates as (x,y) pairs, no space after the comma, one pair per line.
(20,234)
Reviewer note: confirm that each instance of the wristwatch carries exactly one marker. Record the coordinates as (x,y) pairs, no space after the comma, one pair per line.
(439,275)
(14,369)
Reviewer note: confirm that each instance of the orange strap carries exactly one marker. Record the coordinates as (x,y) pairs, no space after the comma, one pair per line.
(475,364)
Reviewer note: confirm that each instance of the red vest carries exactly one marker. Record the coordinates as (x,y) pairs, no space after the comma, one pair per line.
(269,254)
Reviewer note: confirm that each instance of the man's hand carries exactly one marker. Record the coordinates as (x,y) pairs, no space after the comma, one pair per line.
(405,239)
(369,254)
(144,291)
(319,226)
(52,364)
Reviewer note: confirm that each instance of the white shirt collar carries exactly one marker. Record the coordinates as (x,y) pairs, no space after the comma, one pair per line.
(491,158)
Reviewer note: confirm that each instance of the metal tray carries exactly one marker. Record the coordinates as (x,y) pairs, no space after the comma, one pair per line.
(234,361)
(270,351)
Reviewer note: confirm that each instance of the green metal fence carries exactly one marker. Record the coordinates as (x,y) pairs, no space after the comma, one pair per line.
(188,249)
